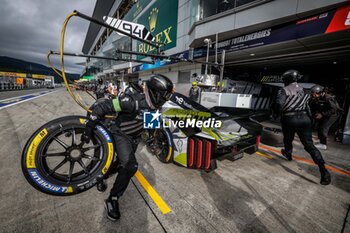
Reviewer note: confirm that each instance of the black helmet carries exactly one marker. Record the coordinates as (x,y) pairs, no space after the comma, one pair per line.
(290,76)
(317,89)
(160,89)
(99,81)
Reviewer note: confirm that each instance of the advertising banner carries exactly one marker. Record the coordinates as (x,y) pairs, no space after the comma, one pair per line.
(39,76)
(13,74)
(328,22)
(136,9)
(161,20)
(19,81)
(324,23)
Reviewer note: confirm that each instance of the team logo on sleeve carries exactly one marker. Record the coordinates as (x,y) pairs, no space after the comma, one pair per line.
(151,120)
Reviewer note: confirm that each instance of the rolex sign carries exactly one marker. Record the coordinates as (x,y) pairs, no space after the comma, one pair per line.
(161,20)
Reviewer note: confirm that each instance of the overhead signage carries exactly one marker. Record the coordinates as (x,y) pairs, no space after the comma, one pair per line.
(13,74)
(22,75)
(134,29)
(39,76)
(328,22)
(161,20)
(340,21)
(160,63)
(136,9)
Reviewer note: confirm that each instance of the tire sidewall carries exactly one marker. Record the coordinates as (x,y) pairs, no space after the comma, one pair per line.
(36,143)
(169,157)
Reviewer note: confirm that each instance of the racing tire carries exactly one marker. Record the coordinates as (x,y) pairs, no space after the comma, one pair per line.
(163,142)
(55,161)
(272,137)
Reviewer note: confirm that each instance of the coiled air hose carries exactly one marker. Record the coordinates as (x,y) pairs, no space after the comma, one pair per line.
(63,74)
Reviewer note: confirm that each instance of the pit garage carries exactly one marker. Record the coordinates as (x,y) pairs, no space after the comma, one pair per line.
(317,46)
(321,60)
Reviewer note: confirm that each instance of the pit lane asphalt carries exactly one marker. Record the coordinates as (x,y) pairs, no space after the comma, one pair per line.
(16,93)
(253,194)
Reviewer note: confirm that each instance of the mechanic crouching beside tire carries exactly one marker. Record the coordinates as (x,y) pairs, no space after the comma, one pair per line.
(126,130)
(292,105)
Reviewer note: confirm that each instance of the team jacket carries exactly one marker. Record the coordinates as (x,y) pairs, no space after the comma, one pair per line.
(194,93)
(129,109)
(327,105)
(292,98)
(100,91)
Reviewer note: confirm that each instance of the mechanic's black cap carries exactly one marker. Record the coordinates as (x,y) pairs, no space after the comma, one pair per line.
(99,81)
(291,76)
(316,89)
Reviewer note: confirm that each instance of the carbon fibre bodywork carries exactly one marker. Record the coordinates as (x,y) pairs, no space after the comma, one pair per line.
(200,147)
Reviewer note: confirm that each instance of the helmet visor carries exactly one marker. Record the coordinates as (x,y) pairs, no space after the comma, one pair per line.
(167,95)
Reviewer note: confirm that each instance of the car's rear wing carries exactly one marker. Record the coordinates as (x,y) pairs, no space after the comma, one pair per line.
(221,112)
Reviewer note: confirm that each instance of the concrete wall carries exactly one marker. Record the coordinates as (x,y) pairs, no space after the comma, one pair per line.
(183,27)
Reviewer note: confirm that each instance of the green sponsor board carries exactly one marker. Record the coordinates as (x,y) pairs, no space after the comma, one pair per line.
(161,20)
(136,9)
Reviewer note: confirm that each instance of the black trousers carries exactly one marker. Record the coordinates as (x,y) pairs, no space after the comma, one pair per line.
(323,127)
(300,124)
(126,164)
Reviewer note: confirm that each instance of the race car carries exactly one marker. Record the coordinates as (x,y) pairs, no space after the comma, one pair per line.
(195,137)
(56,161)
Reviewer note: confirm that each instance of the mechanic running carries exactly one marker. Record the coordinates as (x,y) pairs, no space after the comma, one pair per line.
(326,112)
(292,105)
(126,131)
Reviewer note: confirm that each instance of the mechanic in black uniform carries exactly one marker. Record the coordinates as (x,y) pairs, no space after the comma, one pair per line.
(100,89)
(195,92)
(126,131)
(292,105)
(327,112)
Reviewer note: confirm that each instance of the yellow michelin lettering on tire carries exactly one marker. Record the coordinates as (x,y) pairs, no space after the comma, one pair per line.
(82,121)
(30,161)
(109,159)
(169,154)
(69,189)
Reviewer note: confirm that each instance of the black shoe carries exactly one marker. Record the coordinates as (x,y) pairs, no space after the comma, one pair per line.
(101,186)
(112,208)
(287,155)
(325,178)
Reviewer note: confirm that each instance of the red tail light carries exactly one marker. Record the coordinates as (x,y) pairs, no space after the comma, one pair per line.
(191,152)
(207,154)
(199,153)
(257,141)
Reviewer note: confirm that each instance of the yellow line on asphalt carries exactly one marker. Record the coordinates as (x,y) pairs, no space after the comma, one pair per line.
(264,155)
(164,208)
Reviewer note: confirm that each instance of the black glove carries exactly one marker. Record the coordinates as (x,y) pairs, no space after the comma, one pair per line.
(99,109)
(89,131)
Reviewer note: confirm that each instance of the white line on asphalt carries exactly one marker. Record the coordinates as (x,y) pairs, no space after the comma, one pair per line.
(25,99)
(34,93)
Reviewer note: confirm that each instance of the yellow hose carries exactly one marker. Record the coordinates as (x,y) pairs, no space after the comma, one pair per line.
(62,62)
(59,74)
(52,67)
(63,74)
